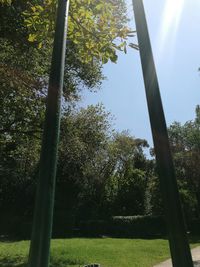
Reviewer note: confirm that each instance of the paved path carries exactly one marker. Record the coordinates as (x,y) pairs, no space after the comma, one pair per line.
(195,257)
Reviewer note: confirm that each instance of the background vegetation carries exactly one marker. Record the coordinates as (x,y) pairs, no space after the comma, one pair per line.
(102,174)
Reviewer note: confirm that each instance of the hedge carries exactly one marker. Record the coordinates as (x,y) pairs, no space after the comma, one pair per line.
(138,226)
(118,226)
(131,227)
(194,227)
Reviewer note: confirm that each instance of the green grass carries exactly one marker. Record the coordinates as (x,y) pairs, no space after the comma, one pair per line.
(75,252)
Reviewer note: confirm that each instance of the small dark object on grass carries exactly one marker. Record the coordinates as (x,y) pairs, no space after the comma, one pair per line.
(93,265)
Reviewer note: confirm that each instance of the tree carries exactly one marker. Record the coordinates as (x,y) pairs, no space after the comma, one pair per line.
(99,174)
(96,28)
(24,73)
(24,68)
(127,183)
(84,138)
(185,143)
(153,197)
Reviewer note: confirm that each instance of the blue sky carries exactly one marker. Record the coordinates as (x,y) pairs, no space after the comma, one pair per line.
(175,36)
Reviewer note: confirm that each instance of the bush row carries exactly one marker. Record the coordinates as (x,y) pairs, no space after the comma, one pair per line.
(132,226)
(118,226)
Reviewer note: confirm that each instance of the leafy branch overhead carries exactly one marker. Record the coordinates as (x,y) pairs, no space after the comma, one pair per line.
(5,2)
(97,28)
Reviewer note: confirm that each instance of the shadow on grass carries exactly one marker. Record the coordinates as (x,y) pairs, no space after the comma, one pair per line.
(7,262)
(66,262)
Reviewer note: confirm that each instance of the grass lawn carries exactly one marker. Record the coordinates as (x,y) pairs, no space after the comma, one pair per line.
(75,252)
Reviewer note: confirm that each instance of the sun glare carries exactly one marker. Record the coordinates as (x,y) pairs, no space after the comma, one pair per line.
(170,21)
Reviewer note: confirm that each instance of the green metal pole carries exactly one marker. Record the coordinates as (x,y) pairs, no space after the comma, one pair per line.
(180,250)
(43,215)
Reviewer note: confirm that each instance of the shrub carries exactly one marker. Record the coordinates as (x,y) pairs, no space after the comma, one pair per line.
(124,226)
(138,226)
(194,227)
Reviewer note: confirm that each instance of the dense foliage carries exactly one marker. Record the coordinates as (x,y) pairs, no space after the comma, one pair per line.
(101,173)
(95,28)
(185,143)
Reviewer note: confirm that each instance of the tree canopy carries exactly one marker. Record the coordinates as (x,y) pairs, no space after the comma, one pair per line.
(185,143)
(97,29)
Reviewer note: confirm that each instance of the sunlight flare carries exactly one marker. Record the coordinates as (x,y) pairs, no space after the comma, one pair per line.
(170,21)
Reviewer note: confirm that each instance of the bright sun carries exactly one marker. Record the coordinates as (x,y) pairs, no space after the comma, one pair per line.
(170,19)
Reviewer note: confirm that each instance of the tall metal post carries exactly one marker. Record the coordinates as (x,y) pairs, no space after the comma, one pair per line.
(180,250)
(43,215)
